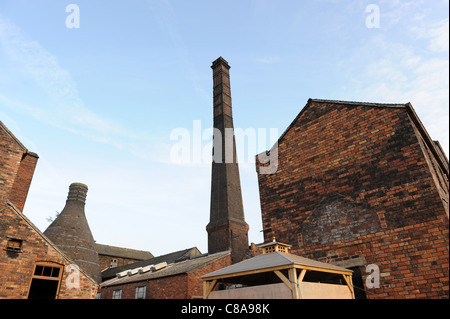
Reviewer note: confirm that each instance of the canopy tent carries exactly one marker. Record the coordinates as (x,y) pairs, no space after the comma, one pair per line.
(279,275)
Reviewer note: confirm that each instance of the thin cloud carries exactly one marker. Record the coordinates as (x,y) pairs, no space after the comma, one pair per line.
(439,37)
(66,110)
(268,59)
(399,73)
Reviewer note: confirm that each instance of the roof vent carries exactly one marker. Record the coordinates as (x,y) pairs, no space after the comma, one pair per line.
(133,271)
(141,270)
(160,266)
(146,269)
(122,274)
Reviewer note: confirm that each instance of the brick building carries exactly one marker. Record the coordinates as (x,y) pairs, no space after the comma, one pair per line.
(177,280)
(113,256)
(361,184)
(31,266)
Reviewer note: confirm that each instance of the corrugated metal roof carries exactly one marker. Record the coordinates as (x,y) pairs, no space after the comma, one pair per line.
(272,260)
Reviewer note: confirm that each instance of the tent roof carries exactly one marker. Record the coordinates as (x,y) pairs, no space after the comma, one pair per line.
(273,261)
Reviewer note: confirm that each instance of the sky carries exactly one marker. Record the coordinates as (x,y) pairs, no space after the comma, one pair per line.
(118,95)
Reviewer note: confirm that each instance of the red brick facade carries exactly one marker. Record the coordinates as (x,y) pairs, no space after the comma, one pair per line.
(17,267)
(17,166)
(23,179)
(361,184)
(106,261)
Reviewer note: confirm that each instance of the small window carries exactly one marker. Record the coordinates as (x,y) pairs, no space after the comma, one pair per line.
(113,262)
(14,244)
(98,296)
(117,294)
(140,292)
(47,271)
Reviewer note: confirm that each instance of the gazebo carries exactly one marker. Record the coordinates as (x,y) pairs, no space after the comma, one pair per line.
(277,274)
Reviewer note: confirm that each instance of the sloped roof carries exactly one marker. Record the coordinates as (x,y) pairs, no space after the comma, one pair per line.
(181,267)
(168,258)
(122,252)
(275,260)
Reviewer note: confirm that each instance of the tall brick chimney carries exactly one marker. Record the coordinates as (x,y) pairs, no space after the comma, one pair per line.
(71,233)
(227,229)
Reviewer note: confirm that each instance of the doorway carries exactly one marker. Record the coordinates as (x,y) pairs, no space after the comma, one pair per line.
(358,285)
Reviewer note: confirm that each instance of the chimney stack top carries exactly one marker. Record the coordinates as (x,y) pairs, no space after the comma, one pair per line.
(220,61)
(77,192)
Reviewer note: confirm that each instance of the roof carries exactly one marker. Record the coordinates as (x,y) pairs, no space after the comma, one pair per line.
(273,261)
(122,252)
(168,258)
(181,267)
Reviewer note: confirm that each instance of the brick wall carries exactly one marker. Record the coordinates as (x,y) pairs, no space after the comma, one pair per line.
(10,156)
(105,261)
(353,182)
(23,179)
(16,268)
(174,287)
(17,167)
(195,284)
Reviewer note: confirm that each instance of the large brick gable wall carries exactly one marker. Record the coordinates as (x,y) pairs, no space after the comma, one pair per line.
(354,183)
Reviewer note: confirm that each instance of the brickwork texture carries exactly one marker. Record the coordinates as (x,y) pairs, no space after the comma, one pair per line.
(363,182)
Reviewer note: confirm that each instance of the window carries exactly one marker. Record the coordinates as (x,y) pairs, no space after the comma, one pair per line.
(140,292)
(45,281)
(117,294)
(14,244)
(46,271)
(98,296)
(113,262)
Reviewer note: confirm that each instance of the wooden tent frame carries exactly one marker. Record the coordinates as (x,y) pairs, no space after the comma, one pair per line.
(293,281)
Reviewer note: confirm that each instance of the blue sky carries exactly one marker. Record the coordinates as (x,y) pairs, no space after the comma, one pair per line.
(99,103)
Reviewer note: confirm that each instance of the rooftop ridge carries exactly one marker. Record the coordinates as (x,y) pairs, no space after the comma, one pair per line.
(360,103)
